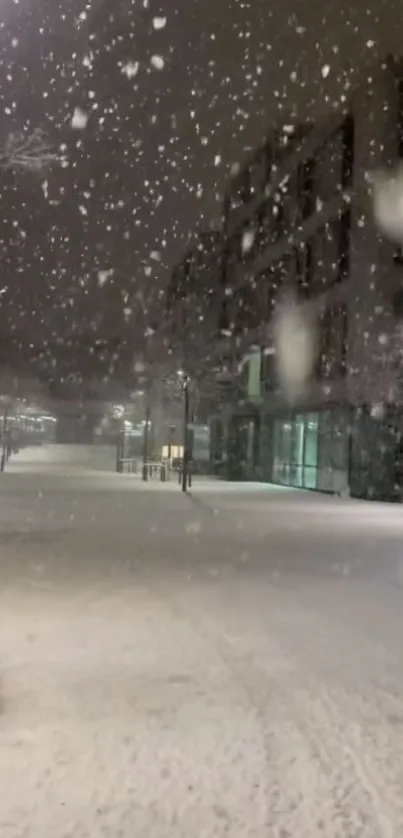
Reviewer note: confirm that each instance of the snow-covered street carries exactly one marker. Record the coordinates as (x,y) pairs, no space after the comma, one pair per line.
(223,664)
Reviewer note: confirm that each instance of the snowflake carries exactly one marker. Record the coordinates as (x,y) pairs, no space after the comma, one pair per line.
(80,119)
(247,240)
(103,276)
(159,22)
(158,62)
(131,69)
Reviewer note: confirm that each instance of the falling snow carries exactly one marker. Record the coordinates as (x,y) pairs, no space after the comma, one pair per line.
(295,348)
(159,22)
(79,119)
(387,191)
(103,276)
(158,62)
(247,240)
(131,69)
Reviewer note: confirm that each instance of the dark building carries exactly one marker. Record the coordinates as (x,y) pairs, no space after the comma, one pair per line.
(192,335)
(194,300)
(298,215)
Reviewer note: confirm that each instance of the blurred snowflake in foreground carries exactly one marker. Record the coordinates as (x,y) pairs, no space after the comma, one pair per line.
(296,345)
(387,196)
(80,119)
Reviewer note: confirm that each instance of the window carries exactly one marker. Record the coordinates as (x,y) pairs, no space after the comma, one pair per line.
(344,245)
(258,173)
(266,226)
(247,315)
(398,252)
(332,357)
(268,372)
(303,267)
(306,188)
(242,192)
(325,256)
(310,450)
(399,82)
(297,451)
(397,304)
(331,253)
(268,283)
(328,172)
(335,161)
(398,256)
(333,450)
(268,157)
(348,138)
(226,212)
(277,213)
(285,451)
(295,459)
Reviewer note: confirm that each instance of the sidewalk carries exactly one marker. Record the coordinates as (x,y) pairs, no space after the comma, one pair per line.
(176,665)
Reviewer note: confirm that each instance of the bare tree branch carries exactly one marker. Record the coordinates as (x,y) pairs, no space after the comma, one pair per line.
(29,152)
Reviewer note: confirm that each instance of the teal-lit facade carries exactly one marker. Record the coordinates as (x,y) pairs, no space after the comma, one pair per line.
(334,448)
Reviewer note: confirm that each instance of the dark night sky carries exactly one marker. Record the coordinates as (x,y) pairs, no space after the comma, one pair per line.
(150,166)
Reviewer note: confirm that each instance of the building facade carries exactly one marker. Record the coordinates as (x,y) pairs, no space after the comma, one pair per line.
(298,216)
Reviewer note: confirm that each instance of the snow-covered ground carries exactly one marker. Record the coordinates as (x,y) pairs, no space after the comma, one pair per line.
(224,664)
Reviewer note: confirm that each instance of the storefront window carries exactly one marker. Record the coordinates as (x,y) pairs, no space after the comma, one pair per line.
(297,454)
(295,451)
(310,450)
(333,451)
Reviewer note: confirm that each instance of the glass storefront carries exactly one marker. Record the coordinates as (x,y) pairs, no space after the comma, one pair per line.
(311,451)
(330,450)
(295,451)
(305,450)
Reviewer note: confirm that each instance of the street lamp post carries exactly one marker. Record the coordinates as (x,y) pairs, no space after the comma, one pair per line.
(145,441)
(4,440)
(184,379)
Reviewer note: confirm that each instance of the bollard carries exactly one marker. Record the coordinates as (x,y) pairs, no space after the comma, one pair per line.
(162,474)
(145,472)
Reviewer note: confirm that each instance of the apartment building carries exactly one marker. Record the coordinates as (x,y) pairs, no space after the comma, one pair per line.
(298,215)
